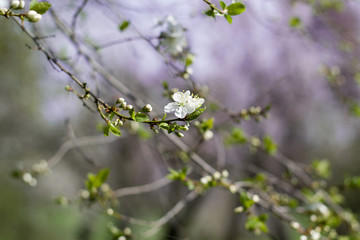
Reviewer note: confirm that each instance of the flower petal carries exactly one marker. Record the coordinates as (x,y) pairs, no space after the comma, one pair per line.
(178,96)
(171,107)
(180,112)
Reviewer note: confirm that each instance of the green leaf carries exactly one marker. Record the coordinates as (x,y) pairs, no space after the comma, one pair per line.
(269,145)
(189,59)
(40,7)
(132,114)
(141,117)
(246,201)
(321,168)
(106,130)
(236,9)
(210,13)
(195,114)
(101,177)
(295,22)
(228,18)
(257,223)
(114,130)
(237,137)
(164,126)
(223,5)
(207,125)
(124,25)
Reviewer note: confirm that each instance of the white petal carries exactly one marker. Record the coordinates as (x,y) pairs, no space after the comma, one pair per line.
(187,93)
(171,107)
(190,108)
(178,96)
(198,102)
(180,112)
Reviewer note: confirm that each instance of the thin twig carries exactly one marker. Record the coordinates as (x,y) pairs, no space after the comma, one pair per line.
(122,192)
(171,214)
(78,142)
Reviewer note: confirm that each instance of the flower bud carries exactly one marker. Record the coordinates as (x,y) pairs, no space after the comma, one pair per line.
(22,4)
(3,11)
(148,108)
(14,4)
(33,16)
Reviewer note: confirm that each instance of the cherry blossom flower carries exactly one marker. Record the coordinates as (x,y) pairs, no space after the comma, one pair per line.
(184,104)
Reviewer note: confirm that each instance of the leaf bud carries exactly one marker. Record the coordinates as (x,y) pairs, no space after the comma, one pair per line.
(179,134)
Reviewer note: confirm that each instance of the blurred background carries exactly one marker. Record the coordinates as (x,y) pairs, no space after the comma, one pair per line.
(308,71)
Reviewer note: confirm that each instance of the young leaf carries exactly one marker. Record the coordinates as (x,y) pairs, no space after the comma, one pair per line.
(210,13)
(40,7)
(124,25)
(228,18)
(295,22)
(106,130)
(141,117)
(114,130)
(236,9)
(269,145)
(195,114)
(223,5)
(101,177)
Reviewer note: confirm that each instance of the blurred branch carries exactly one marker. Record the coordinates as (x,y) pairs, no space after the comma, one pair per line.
(76,15)
(78,142)
(122,192)
(171,214)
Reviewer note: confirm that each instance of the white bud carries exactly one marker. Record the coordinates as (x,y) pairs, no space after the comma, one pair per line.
(27,177)
(225,173)
(122,238)
(148,107)
(37,18)
(208,135)
(33,182)
(3,11)
(239,209)
(127,231)
(204,180)
(295,225)
(22,4)
(84,194)
(233,188)
(129,107)
(217,175)
(315,235)
(14,4)
(33,16)
(313,218)
(303,237)
(110,211)
(256,198)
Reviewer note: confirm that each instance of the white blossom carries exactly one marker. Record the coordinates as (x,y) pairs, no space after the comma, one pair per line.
(184,104)
(173,38)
